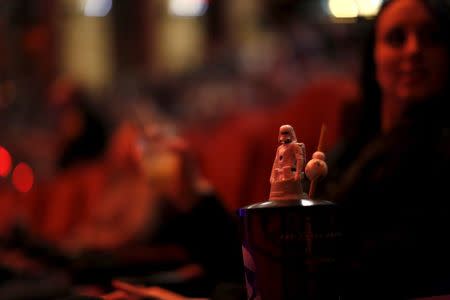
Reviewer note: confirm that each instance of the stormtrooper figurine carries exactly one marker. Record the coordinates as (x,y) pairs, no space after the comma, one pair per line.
(289,162)
(290,157)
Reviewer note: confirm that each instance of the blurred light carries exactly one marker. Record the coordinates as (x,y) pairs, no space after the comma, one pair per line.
(343,8)
(188,8)
(23,177)
(368,8)
(5,162)
(307,202)
(97,8)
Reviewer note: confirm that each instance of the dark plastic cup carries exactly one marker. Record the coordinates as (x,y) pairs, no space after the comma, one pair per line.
(290,249)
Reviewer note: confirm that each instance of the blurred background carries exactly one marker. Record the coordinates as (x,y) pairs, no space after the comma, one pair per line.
(189,63)
(92,90)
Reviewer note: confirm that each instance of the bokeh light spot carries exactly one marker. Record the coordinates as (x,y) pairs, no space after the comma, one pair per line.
(188,8)
(5,162)
(23,177)
(343,8)
(368,8)
(97,8)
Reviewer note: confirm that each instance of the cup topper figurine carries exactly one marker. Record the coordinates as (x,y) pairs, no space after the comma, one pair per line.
(289,163)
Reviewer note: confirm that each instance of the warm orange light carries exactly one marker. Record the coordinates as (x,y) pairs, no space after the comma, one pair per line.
(5,162)
(23,177)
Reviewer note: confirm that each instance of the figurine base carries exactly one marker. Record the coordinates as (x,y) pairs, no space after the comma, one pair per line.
(286,190)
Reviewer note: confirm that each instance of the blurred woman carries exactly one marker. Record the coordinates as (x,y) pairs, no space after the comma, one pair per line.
(394,198)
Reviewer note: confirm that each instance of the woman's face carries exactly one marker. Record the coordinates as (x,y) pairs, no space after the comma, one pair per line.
(410,54)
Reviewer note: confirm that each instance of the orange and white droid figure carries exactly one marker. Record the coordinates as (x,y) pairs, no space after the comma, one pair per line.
(288,165)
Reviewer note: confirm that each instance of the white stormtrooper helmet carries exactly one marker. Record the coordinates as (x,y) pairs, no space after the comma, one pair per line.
(287,135)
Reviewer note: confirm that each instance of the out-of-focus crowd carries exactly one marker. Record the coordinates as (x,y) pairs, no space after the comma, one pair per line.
(148,173)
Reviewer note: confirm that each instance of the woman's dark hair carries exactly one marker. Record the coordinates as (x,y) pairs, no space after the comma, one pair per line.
(370,89)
